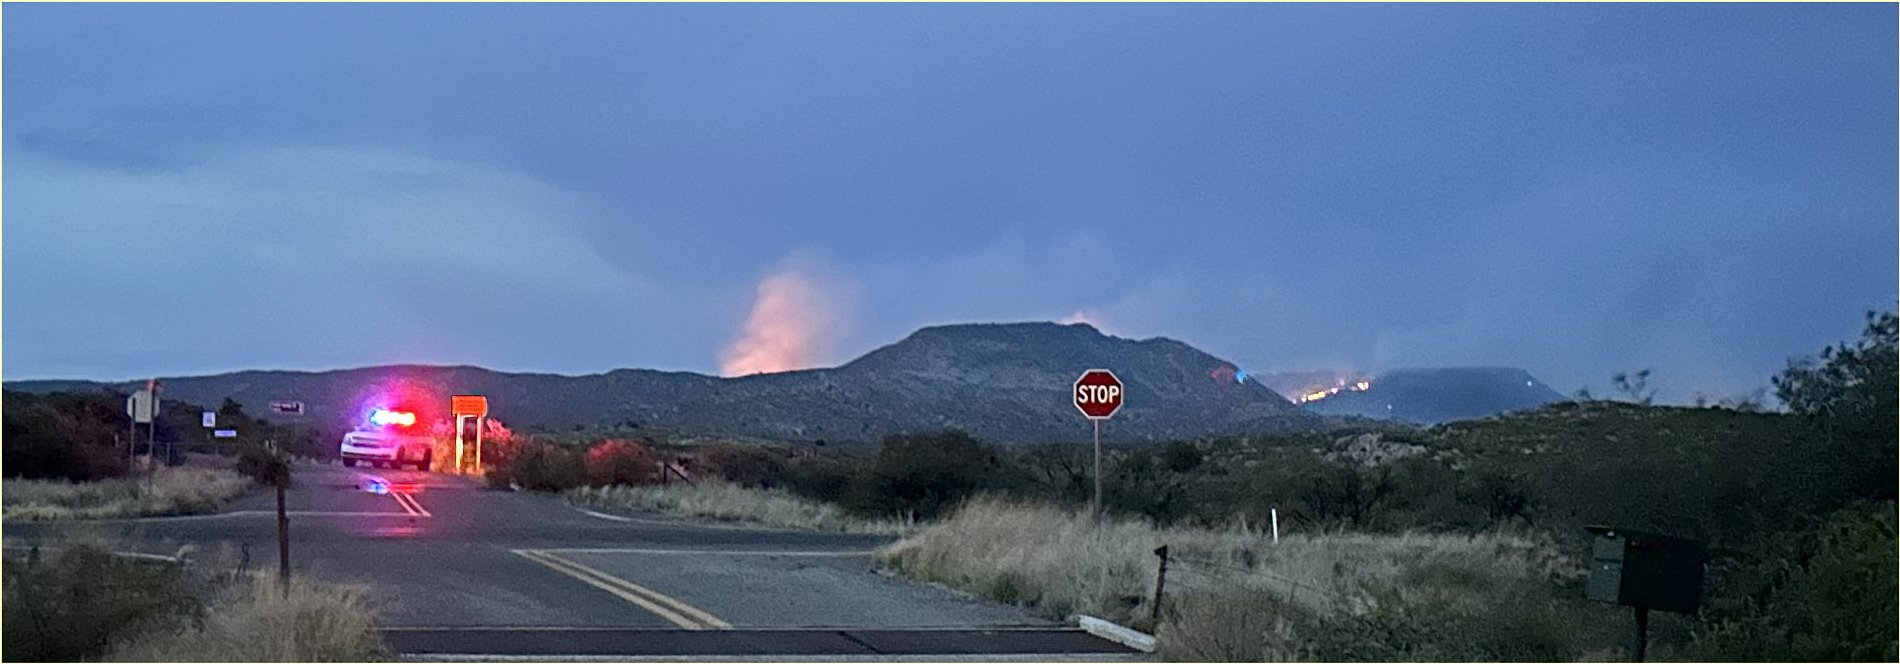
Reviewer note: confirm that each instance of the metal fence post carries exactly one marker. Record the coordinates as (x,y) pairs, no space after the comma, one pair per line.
(283,541)
(1161,581)
(1642,633)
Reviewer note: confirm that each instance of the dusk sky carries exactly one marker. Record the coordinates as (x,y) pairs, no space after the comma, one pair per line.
(1576,190)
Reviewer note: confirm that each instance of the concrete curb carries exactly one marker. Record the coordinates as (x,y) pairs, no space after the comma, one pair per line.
(1117,633)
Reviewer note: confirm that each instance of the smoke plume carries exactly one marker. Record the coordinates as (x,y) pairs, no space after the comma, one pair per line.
(793,322)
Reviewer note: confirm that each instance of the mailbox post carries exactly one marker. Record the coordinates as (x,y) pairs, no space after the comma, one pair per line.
(1645,571)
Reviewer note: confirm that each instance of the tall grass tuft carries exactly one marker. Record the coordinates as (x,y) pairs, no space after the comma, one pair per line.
(166,491)
(75,599)
(1235,595)
(257,621)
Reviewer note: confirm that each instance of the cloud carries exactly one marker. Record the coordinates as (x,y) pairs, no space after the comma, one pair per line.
(305,257)
(798,318)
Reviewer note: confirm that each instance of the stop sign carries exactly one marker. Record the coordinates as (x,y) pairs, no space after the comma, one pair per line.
(1098,394)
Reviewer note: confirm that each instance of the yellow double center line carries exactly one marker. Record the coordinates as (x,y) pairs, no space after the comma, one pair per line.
(674,611)
(409,504)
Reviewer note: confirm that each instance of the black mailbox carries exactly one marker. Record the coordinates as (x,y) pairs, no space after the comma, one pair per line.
(1645,570)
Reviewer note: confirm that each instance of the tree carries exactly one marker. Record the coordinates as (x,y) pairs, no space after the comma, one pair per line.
(1848,398)
(1351,494)
(1829,599)
(1851,391)
(924,474)
(1181,456)
(1634,385)
(1501,494)
(745,465)
(1747,403)
(1062,472)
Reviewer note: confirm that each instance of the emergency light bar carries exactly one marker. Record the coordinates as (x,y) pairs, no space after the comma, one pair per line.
(383,418)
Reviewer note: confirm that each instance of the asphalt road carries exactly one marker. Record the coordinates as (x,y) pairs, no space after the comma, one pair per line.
(455,569)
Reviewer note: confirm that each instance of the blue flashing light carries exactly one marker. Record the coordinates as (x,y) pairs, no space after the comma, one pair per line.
(383,418)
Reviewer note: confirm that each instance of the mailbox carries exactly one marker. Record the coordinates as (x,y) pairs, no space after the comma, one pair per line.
(1645,570)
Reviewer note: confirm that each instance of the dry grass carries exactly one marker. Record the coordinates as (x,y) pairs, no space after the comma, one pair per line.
(77,600)
(728,502)
(255,621)
(166,491)
(1232,594)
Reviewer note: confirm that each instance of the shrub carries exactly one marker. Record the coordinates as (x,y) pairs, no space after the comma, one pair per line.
(1829,599)
(744,465)
(72,604)
(65,436)
(262,466)
(828,480)
(540,466)
(619,462)
(922,475)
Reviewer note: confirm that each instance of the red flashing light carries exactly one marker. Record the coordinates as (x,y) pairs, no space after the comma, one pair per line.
(380,417)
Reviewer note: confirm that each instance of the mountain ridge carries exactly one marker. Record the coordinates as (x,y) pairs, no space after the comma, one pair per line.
(1003,382)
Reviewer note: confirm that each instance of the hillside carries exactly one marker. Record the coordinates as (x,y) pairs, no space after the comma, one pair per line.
(1005,383)
(1430,396)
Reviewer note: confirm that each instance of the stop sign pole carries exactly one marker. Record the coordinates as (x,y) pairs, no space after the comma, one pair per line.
(1098,394)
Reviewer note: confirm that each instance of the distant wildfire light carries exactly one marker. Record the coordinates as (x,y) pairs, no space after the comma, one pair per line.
(1321,393)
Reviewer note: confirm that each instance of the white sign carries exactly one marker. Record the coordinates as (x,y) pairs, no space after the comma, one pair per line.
(225,433)
(287,407)
(139,406)
(211,419)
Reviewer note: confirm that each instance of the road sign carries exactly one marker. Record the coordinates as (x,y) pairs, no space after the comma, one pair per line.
(287,407)
(225,433)
(468,404)
(211,419)
(1098,394)
(139,406)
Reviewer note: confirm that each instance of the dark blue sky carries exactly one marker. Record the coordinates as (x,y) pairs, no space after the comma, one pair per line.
(1573,189)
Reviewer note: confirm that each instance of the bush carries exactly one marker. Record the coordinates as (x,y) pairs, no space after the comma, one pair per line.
(829,480)
(1442,611)
(540,466)
(72,604)
(619,462)
(1829,599)
(65,436)
(922,475)
(744,465)
(262,466)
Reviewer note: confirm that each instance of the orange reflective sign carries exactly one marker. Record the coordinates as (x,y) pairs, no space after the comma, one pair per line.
(465,404)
